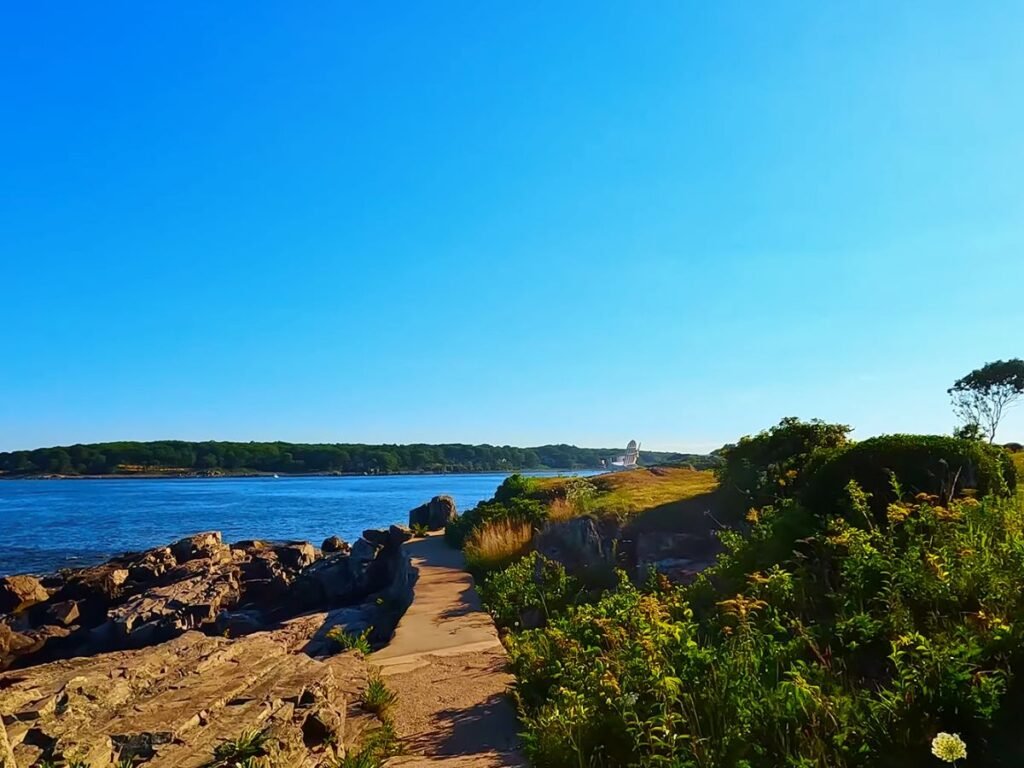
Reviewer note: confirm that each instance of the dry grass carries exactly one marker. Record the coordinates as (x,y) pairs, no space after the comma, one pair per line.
(625,494)
(497,544)
(658,498)
(560,509)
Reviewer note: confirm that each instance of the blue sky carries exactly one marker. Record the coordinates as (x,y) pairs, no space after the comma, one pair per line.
(512,223)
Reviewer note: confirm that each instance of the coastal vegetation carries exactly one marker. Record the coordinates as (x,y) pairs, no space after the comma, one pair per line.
(213,457)
(864,609)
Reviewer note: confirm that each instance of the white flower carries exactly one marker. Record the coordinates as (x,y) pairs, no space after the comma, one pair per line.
(949,747)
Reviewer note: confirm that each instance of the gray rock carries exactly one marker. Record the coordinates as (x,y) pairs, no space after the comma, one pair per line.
(192,600)
(435,514)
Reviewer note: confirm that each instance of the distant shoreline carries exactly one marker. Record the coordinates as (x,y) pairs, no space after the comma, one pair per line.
(283,475)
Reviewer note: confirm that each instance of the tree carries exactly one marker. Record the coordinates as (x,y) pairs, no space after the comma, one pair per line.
(982,396)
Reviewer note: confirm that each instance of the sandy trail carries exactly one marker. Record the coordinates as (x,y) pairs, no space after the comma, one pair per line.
(447,666)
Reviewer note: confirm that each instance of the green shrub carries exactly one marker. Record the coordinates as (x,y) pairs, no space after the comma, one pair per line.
(853,651)
(773,464)
(513,509)
(529,592)
(930,464)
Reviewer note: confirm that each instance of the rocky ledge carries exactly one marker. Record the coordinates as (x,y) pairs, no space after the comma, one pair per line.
(167,657)
(201,583)
(158,657)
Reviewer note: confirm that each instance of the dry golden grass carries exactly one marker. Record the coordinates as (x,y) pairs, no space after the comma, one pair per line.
(560,509)
(625,494)
(657,497)
(497,544)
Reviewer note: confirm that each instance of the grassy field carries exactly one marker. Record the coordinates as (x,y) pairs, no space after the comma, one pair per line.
(658,498)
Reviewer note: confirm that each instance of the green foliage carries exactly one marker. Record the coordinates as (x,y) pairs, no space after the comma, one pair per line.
(982,396)
(930,464)
(511,502)
(242,751)
(854,650)
(420,529)
(347,641)
(529,592)
(775,463)
(378,745)
(175,456)
(580,494)
(377,697)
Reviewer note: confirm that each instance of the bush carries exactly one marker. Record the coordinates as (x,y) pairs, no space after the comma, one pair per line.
(497,544)
(773,464)
(930,464)
(853,653)
(510,502)
(529,593)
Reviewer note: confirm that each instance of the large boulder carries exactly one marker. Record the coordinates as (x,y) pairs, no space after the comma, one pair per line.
(192,600)
(17,592)
(579,544)
(334,544)
(151,565)
(435,514)
(296,554)
(208,544)
(677,556)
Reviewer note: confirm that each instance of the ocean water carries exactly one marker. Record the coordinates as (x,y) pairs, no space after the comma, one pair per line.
(51,524)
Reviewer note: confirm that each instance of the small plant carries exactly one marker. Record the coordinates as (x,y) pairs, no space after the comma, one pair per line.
(347,641)
(379,744)
(242,751)
(377,697)
(419,529)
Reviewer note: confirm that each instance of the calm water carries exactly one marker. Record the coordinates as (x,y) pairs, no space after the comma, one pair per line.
(50,524)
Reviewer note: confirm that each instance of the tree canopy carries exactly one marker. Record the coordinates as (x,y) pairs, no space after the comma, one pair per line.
(178,456)
(982,396)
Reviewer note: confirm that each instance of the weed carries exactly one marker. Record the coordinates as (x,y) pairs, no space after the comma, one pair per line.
(377,697)
(378,745)
(241,752)
(347,641)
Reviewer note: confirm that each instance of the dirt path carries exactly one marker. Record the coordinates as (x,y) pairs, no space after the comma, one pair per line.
(447,666)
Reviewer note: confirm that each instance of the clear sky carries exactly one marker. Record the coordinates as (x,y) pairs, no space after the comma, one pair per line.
(504,222)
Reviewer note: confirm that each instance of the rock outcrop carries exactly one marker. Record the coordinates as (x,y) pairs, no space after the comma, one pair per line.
(173,704)
(435,514)
(198,583)
(163,655)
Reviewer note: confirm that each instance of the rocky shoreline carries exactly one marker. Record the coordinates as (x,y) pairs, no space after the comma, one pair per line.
(203,616)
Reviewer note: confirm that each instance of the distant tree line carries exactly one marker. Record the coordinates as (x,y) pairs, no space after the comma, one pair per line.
(215,456)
